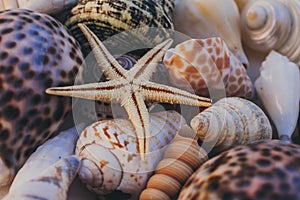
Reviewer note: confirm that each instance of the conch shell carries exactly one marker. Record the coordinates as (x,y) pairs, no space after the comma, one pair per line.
(181,158)
(211,18)
(230,122)
(205,63)
(110,154)
(43,6)
(273,25)
(278,87)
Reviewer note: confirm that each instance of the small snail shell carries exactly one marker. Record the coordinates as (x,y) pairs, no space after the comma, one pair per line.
(211,18)
(229,122)
(266,170)
(273,25)
(181,158)
(278,87)
(52,183)
(206,64)
(110,156)
(43,6)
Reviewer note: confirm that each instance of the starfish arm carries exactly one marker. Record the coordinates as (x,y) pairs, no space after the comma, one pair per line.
(111,67)
(105,91)
(138,114)
(163,93)
(146,65)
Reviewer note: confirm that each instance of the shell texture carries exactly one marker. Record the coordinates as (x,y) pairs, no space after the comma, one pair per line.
(278,87)
(206,64)
(266,170)
(51,184)
(107,18)
(43,6)
(241,4)
(36,52)
(110,155)
(273,25)
(181,158)
(211,18)
(230,122)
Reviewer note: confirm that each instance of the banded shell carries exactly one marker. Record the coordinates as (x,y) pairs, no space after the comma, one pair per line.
(278,87)
(211,18)
(230,122)
(106,18)
(267,170)
(36,52)
(181,158)
(44,6)
(273,25)
(110,156)
(206,64)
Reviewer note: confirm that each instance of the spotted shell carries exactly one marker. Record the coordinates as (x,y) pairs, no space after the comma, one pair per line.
(36,52)
(110,156)
(106,18)
(203,65)
(230,122)
(266,170)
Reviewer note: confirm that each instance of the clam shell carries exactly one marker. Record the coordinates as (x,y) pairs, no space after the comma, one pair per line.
(278,87)
(36,52)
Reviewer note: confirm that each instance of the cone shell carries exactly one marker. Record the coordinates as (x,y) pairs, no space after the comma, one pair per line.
(182,157)
(207,64)
(36,52)
(278,87)
(267,170)
(211,18)
(231,122)
(106,18)
(273,25)
(110,156)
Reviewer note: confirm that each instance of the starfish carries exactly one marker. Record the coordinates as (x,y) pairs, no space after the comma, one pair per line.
(130,87)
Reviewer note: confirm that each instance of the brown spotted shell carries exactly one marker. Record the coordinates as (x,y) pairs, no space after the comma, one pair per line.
(267,170)
(36,52)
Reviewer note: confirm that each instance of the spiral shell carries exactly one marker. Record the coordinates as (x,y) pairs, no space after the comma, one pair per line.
(230,122)
(211,18)
(273,25)
(106,18)
(110,156)
(267,170)
(203,63)
(36,52)
(181,158)
(278,86)
(43,6)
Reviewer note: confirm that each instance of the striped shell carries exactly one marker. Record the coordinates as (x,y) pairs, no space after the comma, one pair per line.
(203,65)
(268,170)
(230,122)
(36,52)
(110,156)
(181,158)
(273,25)
(107,18)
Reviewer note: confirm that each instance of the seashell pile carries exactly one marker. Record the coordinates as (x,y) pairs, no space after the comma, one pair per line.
(36,52)
(266,170)
(204,64)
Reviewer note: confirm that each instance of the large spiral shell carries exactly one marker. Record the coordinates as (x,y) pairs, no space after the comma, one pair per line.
(181,158)
(110,156)
(230,122)
(107,18)
(273,24)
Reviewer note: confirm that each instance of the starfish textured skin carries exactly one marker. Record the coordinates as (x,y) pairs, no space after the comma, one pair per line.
(130,87)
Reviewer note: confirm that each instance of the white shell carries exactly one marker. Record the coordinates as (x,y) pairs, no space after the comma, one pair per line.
(211,18)
(109,151)
(273,25)
(278,86)
(43,6)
